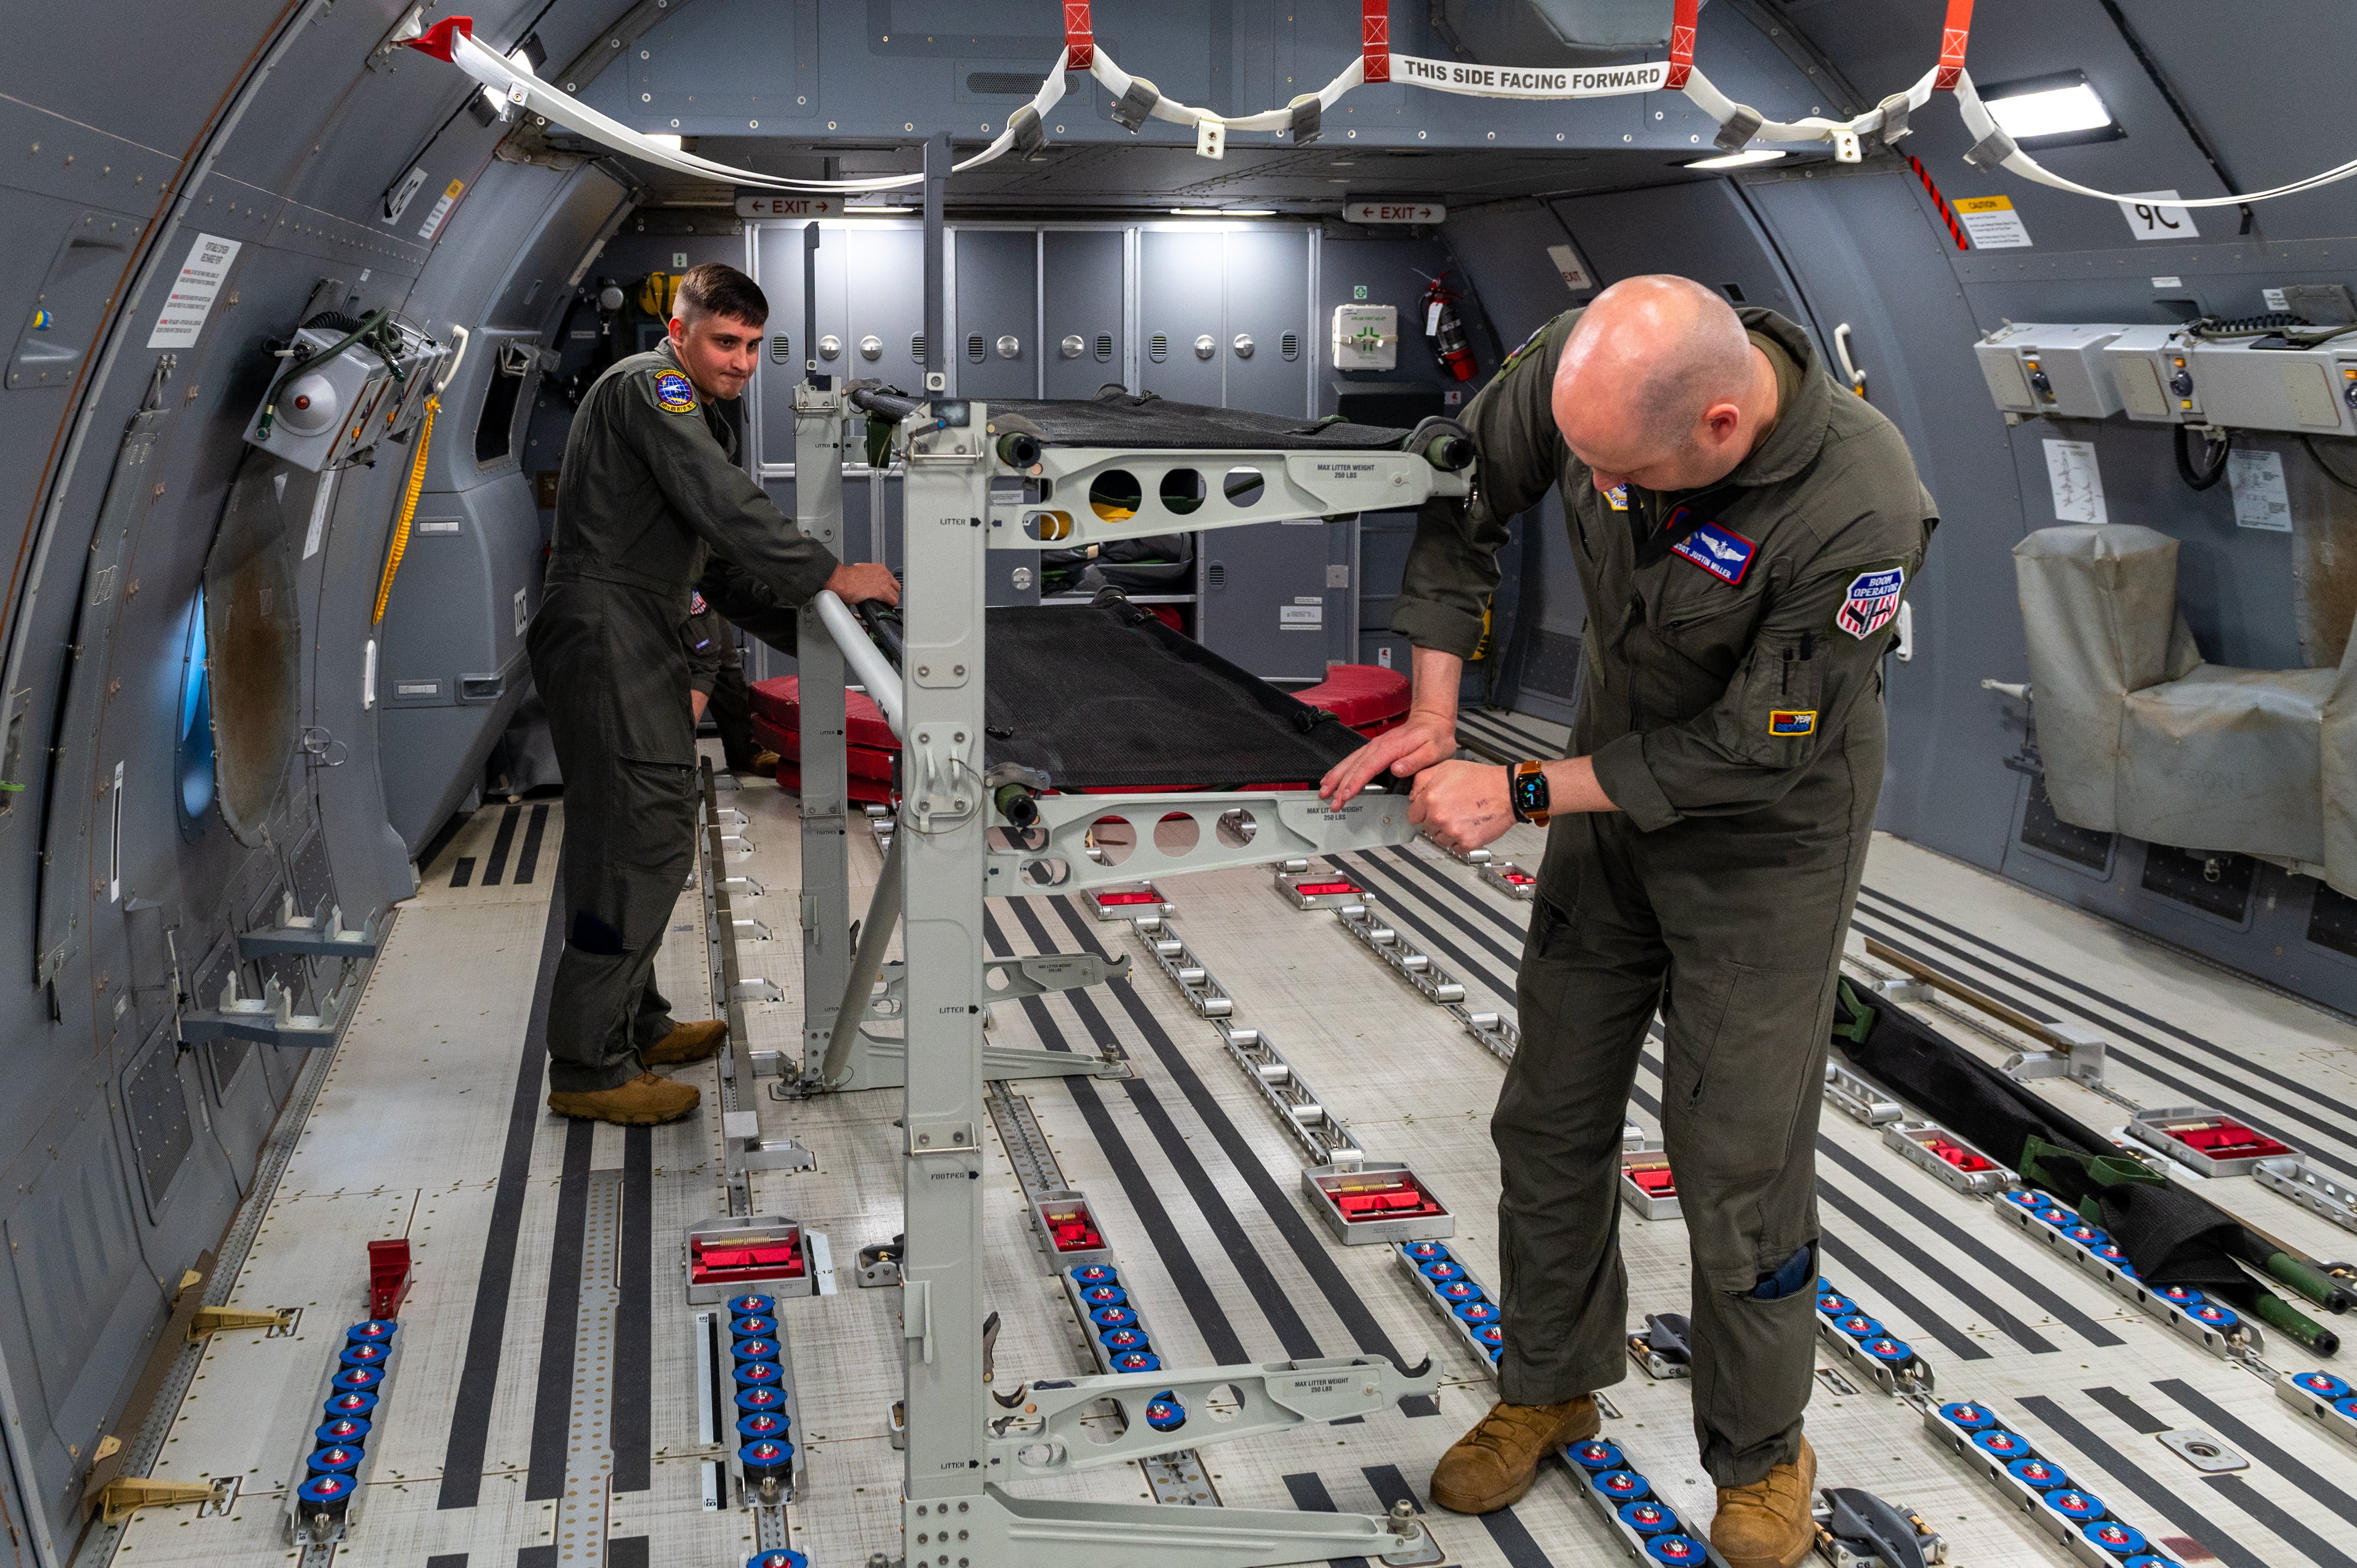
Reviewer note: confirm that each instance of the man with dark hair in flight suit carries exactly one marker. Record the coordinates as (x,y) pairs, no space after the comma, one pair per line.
(1744,531)
(648,492)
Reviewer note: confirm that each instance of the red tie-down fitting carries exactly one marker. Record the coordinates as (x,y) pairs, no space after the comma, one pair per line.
(1446,332)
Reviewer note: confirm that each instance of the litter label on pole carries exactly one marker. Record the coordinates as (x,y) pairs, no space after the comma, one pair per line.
(1991,223)
(450,199)
(2262,499)
(2078,482)
(193,293)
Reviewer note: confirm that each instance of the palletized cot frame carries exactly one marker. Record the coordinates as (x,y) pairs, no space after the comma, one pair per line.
(955,849)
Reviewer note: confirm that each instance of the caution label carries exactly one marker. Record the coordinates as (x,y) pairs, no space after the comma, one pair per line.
(1991,223)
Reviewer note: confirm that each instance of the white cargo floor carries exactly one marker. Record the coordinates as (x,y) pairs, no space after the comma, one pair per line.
(1199,1190)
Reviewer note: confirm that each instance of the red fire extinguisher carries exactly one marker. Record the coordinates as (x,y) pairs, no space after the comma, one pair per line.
(1446,332)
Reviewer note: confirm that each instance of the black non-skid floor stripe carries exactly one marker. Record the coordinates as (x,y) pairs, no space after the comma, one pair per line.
(628,1551)
(631,1385)
(536,1557)
(501,842)
(447,1559)
(1356,1319)
(2260,1448)
(2163,1500)
(1514,1541)
(479,1377)
(1886,1294)
(464,872)
(1509,953)
(1516,926)
(528,857)
(1310,1496)
(2226,1090)
(1211,1320)
(2232,1062)
(2127,1410)
(2061,1310)
(2272,1514)
(1252,1270)
(551,1412)
(1391,1487)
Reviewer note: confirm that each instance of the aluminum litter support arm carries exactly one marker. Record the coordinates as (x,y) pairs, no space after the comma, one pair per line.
(883,682)
(868,962)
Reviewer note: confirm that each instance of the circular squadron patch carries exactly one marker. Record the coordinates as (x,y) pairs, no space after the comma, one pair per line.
(674,393)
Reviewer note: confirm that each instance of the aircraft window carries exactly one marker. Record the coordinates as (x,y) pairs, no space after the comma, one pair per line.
(195,769)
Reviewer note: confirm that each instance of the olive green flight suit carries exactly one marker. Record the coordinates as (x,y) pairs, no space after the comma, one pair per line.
(715,669)
(1733,705)
(649,493)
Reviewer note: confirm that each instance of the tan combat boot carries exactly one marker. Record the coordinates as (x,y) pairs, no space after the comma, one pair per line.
(1767,1523)
(765,763)
(644,1100)
(1494,1463)
(687,1043)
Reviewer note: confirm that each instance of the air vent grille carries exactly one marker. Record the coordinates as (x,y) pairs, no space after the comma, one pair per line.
(1289,346)
(1215,574)
(976,348)
(1104,347)
(917,347)
(1157,348)
(781,350)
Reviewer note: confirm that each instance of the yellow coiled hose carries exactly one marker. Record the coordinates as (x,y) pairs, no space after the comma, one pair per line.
(408,510)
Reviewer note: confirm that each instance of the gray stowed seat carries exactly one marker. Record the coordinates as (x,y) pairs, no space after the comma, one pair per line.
(2140,737)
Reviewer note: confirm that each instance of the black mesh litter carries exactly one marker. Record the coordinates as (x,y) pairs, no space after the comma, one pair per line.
(1151,422)
(1105,696)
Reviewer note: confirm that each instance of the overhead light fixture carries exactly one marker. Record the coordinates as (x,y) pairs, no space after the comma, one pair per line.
(2056,111)
(866,208)
(1223,213)
(1743,159)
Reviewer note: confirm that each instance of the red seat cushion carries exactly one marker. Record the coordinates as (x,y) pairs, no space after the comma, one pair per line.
(780,702)
(1364,696)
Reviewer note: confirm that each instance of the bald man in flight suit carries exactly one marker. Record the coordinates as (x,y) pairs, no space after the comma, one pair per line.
(1744,529)
(649,498)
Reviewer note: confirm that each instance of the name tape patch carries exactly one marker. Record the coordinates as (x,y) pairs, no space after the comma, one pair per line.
(1789,721)
(1720,552)
(1869,602)
(674,393)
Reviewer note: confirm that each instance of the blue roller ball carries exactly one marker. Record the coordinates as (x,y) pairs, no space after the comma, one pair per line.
(2150,1561)
(758,1375)
(1491,1334)
(2086,1235)
(1495,1352)
(2322,1385)
(2043,1474)
(336,1459)
(1441,1270)
(1096,1274)
(340,1429)
(2112,1253)
(754,1350)
(369,1353)
(1968,1416)
(752,1306)
(1095,1297)
(1113,1316)
(766,1456)
(1137,1361)
(1595,1455)
(1122,1339)
(1833,1304)
(1858,1325)
(753,1328)
(2224,1319)
(1453,1291)
(358,1379)
(1999,1443)
(2347,1407)
(2025,1198)
(2110,1535)
(753,1428)
(1425,1252)
(378,1330)
(1890,1352)
(1164,1412)
(1647,1517)
(2183,1295)
(777,1559)
(351,1401)
(758,1401)
(323,1489)
(1618,1486)
(1676,1549)
(2080,1507)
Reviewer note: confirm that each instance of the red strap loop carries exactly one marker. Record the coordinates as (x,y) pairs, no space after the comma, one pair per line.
(1080,40)
(435,41)
(1954,36)
(1682,45)
(1375,40)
